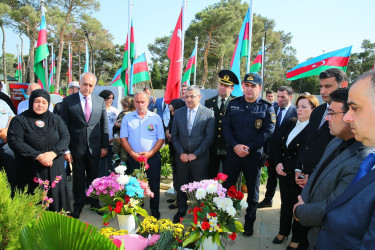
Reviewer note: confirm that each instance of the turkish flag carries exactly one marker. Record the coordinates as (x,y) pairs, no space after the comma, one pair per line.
(174,53)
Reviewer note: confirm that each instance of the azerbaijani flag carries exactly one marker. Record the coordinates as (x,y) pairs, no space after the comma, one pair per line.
(125,64)
(132,43)
(241,49)
(41,52)
(52,72)
(70,68)
(190,68)
(18,74)
(140,70)
(87,60)
(373,66)
(117,81)
(257,64)
(335,59)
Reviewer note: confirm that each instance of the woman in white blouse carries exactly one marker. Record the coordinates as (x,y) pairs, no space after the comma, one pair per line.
(290,144)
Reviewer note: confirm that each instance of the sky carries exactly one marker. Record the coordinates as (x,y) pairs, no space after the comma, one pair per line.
(317,27)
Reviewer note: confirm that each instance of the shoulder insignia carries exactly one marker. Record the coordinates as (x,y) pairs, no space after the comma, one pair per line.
(266,102)
(273,117)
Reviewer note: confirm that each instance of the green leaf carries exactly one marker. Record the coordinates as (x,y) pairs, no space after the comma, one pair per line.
(239,226)
(192,237)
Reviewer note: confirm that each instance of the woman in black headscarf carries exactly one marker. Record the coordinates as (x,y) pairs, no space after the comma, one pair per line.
(39,139)
(173,106)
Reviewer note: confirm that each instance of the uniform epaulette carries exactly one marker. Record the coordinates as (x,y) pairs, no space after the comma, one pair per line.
(266,102)
(235,98)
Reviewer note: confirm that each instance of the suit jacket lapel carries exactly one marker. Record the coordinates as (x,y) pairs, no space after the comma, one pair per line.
(351,191)
(346,154)
(78,107)
(197,117)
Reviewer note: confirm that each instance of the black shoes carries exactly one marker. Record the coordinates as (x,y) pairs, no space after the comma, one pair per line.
(265,203)
(277,241)
(177,217)
(155,214)
(248,232)
(76,213)
(172,206)
(171,200)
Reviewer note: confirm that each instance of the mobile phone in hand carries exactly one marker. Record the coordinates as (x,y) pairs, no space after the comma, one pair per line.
(301,177)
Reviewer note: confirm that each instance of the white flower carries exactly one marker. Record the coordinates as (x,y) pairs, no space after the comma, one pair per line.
(123,179)
(200,194)
(220,203)
(120,169)
(231,211)
(228,202)
(211,189)
(243,204)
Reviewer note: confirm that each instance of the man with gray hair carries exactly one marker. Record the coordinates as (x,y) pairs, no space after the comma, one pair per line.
(24,105)
(142,134)
(193,130)
(86,119)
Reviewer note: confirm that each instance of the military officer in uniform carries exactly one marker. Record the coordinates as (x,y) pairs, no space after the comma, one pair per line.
(218,103)
(248,123)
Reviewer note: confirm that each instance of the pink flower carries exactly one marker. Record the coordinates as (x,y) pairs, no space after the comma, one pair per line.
(147,166)
(143,159)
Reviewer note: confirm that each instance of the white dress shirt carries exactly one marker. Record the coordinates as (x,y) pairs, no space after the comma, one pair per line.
(83,102)
(296,130)
(193,115)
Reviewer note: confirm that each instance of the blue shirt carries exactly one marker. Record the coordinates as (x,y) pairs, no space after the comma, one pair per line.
(143,133)
(5,113)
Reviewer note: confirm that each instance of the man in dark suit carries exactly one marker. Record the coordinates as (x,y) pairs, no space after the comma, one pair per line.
(86,120)
(218,103)
(334,172)
(162,110)
(317,130)
(193,131)
(285,112)
(349,221)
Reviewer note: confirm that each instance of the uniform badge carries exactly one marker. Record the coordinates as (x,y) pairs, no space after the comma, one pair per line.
(40,123)
(3,112)
(273,118)
(258,123)
(150,127)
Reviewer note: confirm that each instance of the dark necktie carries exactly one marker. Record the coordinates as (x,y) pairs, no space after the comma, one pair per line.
(366,166)
(279,116)
(222,105)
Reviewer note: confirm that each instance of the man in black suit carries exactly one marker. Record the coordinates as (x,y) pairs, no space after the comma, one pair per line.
(318,131)
(218,104)
(285,112)
(349,221)
(193,131)
(86,120)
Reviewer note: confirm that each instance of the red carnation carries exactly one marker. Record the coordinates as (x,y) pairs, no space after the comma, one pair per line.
(147,166)
(222,176)
(110,208)
(117,210)
(213,214)
(195,220)
(233,236)
(232,192)
(205,225)
(119,204)
(239,195)
(143,159)
(127,199)
(106,224)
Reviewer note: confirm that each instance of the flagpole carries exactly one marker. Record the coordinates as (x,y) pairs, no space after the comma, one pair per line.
(250,35)
(129,41)
(182,41)
(195,63)
(262,71)
(52,62)
(152,89)
(18,65)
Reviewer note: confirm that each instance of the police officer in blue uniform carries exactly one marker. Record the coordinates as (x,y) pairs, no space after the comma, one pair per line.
(248,123)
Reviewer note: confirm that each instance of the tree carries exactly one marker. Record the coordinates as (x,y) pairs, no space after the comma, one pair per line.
(10,62)
(361,62)
(4,10)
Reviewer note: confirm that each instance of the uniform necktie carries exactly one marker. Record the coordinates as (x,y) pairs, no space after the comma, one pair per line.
(279,116)
(222,105)
(366,166)
(190,125)
(87,109)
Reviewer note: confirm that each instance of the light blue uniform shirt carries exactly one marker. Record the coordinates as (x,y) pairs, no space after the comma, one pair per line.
(5,113)
(143,133)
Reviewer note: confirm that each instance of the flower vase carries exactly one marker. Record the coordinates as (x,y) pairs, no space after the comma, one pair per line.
(126,222)
(207,244)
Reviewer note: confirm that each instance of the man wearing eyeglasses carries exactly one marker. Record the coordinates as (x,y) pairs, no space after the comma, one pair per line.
(335,170)
(248,123)
(193,131)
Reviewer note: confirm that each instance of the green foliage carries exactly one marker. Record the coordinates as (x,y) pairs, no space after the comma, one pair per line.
(308,84)
(361,62)
(263,175)
(56,231)
(16,213)
(166,241)
(166,162)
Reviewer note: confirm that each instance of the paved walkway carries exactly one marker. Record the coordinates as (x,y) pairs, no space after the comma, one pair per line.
(265,227)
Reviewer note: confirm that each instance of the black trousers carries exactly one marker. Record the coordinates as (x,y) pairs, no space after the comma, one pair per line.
(214,166)
(289,192)
(153,175)
(85,170)
(8,163)
(189,171)
(251,169)
(271,181)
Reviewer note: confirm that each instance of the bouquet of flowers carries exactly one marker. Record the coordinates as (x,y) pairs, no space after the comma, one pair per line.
(121,194)
(215,210)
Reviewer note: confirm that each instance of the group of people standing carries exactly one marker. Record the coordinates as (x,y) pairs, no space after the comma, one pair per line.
(316,152)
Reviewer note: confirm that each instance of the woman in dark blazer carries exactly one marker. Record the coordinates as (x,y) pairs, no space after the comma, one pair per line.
(287,157)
